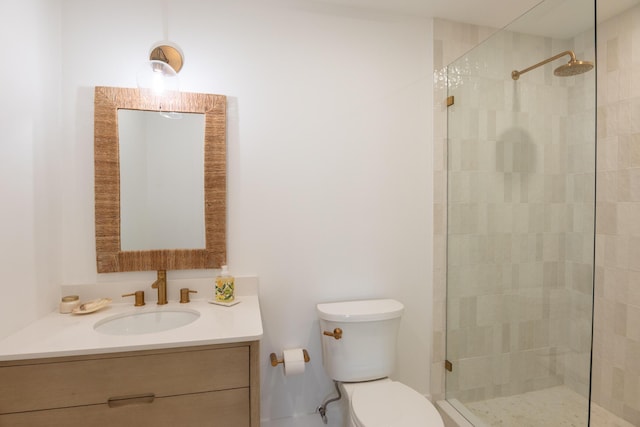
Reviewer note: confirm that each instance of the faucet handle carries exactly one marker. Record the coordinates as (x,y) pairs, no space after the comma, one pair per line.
(139,298)
(184,295)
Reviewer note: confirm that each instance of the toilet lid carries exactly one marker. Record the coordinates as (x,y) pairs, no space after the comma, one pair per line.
(392,404)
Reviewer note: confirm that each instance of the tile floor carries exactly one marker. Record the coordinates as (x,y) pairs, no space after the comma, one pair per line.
(560,406)
(556,406)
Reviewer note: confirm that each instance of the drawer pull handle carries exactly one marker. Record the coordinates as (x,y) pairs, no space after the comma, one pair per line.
(115,402)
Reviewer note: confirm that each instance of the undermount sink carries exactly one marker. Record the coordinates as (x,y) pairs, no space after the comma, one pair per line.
(146,322)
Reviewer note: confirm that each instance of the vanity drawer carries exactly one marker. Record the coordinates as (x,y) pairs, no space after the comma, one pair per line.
(90,381)
(229,408)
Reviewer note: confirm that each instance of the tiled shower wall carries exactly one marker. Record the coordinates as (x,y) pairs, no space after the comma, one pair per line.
(616,351)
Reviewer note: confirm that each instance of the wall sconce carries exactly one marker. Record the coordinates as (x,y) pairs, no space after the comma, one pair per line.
(160,73)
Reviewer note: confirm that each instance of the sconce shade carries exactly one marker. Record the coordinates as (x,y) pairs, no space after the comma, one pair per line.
(168,54)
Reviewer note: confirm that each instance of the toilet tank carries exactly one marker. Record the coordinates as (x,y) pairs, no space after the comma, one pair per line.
(367,348)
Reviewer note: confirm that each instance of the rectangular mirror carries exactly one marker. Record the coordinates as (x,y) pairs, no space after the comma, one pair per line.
(160,182)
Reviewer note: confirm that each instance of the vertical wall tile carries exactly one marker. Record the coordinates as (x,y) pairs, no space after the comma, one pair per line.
(617,327)
(617,321)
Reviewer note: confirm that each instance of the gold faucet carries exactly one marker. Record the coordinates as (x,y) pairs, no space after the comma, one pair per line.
(161,286)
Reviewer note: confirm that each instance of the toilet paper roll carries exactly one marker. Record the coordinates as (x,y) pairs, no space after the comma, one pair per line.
(293,361)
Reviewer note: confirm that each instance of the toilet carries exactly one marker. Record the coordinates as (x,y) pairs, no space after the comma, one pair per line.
(359,352)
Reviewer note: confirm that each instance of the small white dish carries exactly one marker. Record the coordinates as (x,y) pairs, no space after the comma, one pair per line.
(226,304)
(91,306)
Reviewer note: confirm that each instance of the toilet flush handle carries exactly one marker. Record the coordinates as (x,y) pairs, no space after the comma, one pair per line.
(337,333)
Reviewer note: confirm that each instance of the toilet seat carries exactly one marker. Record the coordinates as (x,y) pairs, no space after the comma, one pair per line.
(392,404)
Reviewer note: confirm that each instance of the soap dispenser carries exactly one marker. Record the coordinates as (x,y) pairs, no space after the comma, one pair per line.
(224,286)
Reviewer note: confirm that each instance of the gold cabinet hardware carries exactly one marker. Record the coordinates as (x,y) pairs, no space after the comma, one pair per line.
(337,333)
(184,295)
(116,402)
(450,100)
(275,361)
(139,298)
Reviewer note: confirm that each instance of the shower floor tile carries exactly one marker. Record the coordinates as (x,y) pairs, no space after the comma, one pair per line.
(556,406)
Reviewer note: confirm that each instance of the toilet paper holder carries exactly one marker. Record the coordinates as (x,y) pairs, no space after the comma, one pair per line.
(275,361)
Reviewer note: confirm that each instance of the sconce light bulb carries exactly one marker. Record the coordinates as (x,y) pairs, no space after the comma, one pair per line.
(158,77)
(157,83)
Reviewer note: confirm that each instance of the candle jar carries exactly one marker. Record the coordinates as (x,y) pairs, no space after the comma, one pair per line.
(68,303)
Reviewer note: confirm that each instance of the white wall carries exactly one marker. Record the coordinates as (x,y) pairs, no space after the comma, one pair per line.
(30,128)
(329,158)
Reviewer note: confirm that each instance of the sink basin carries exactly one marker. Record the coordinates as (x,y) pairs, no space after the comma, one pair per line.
(145,322)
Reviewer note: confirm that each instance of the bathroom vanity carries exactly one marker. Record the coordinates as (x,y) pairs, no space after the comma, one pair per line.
(175,365)
(179,365)
(61,372)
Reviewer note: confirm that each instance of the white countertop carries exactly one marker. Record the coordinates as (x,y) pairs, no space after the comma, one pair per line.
(72,334)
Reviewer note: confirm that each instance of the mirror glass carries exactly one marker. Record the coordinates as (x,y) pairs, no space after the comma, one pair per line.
(161,180)
(160,184)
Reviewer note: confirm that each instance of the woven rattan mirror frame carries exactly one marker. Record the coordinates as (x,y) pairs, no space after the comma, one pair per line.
(109,256)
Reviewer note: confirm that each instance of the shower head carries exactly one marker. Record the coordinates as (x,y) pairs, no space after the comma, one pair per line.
(572,68)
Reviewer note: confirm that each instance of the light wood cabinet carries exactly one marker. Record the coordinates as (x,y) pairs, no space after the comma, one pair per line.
(215,385)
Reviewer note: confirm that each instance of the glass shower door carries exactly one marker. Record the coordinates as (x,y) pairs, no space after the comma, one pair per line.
(520,228)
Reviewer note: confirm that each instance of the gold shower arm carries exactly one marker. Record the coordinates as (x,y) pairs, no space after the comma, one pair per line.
(515,75)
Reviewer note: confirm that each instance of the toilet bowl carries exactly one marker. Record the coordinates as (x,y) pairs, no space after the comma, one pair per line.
(358,351)
(386,403)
